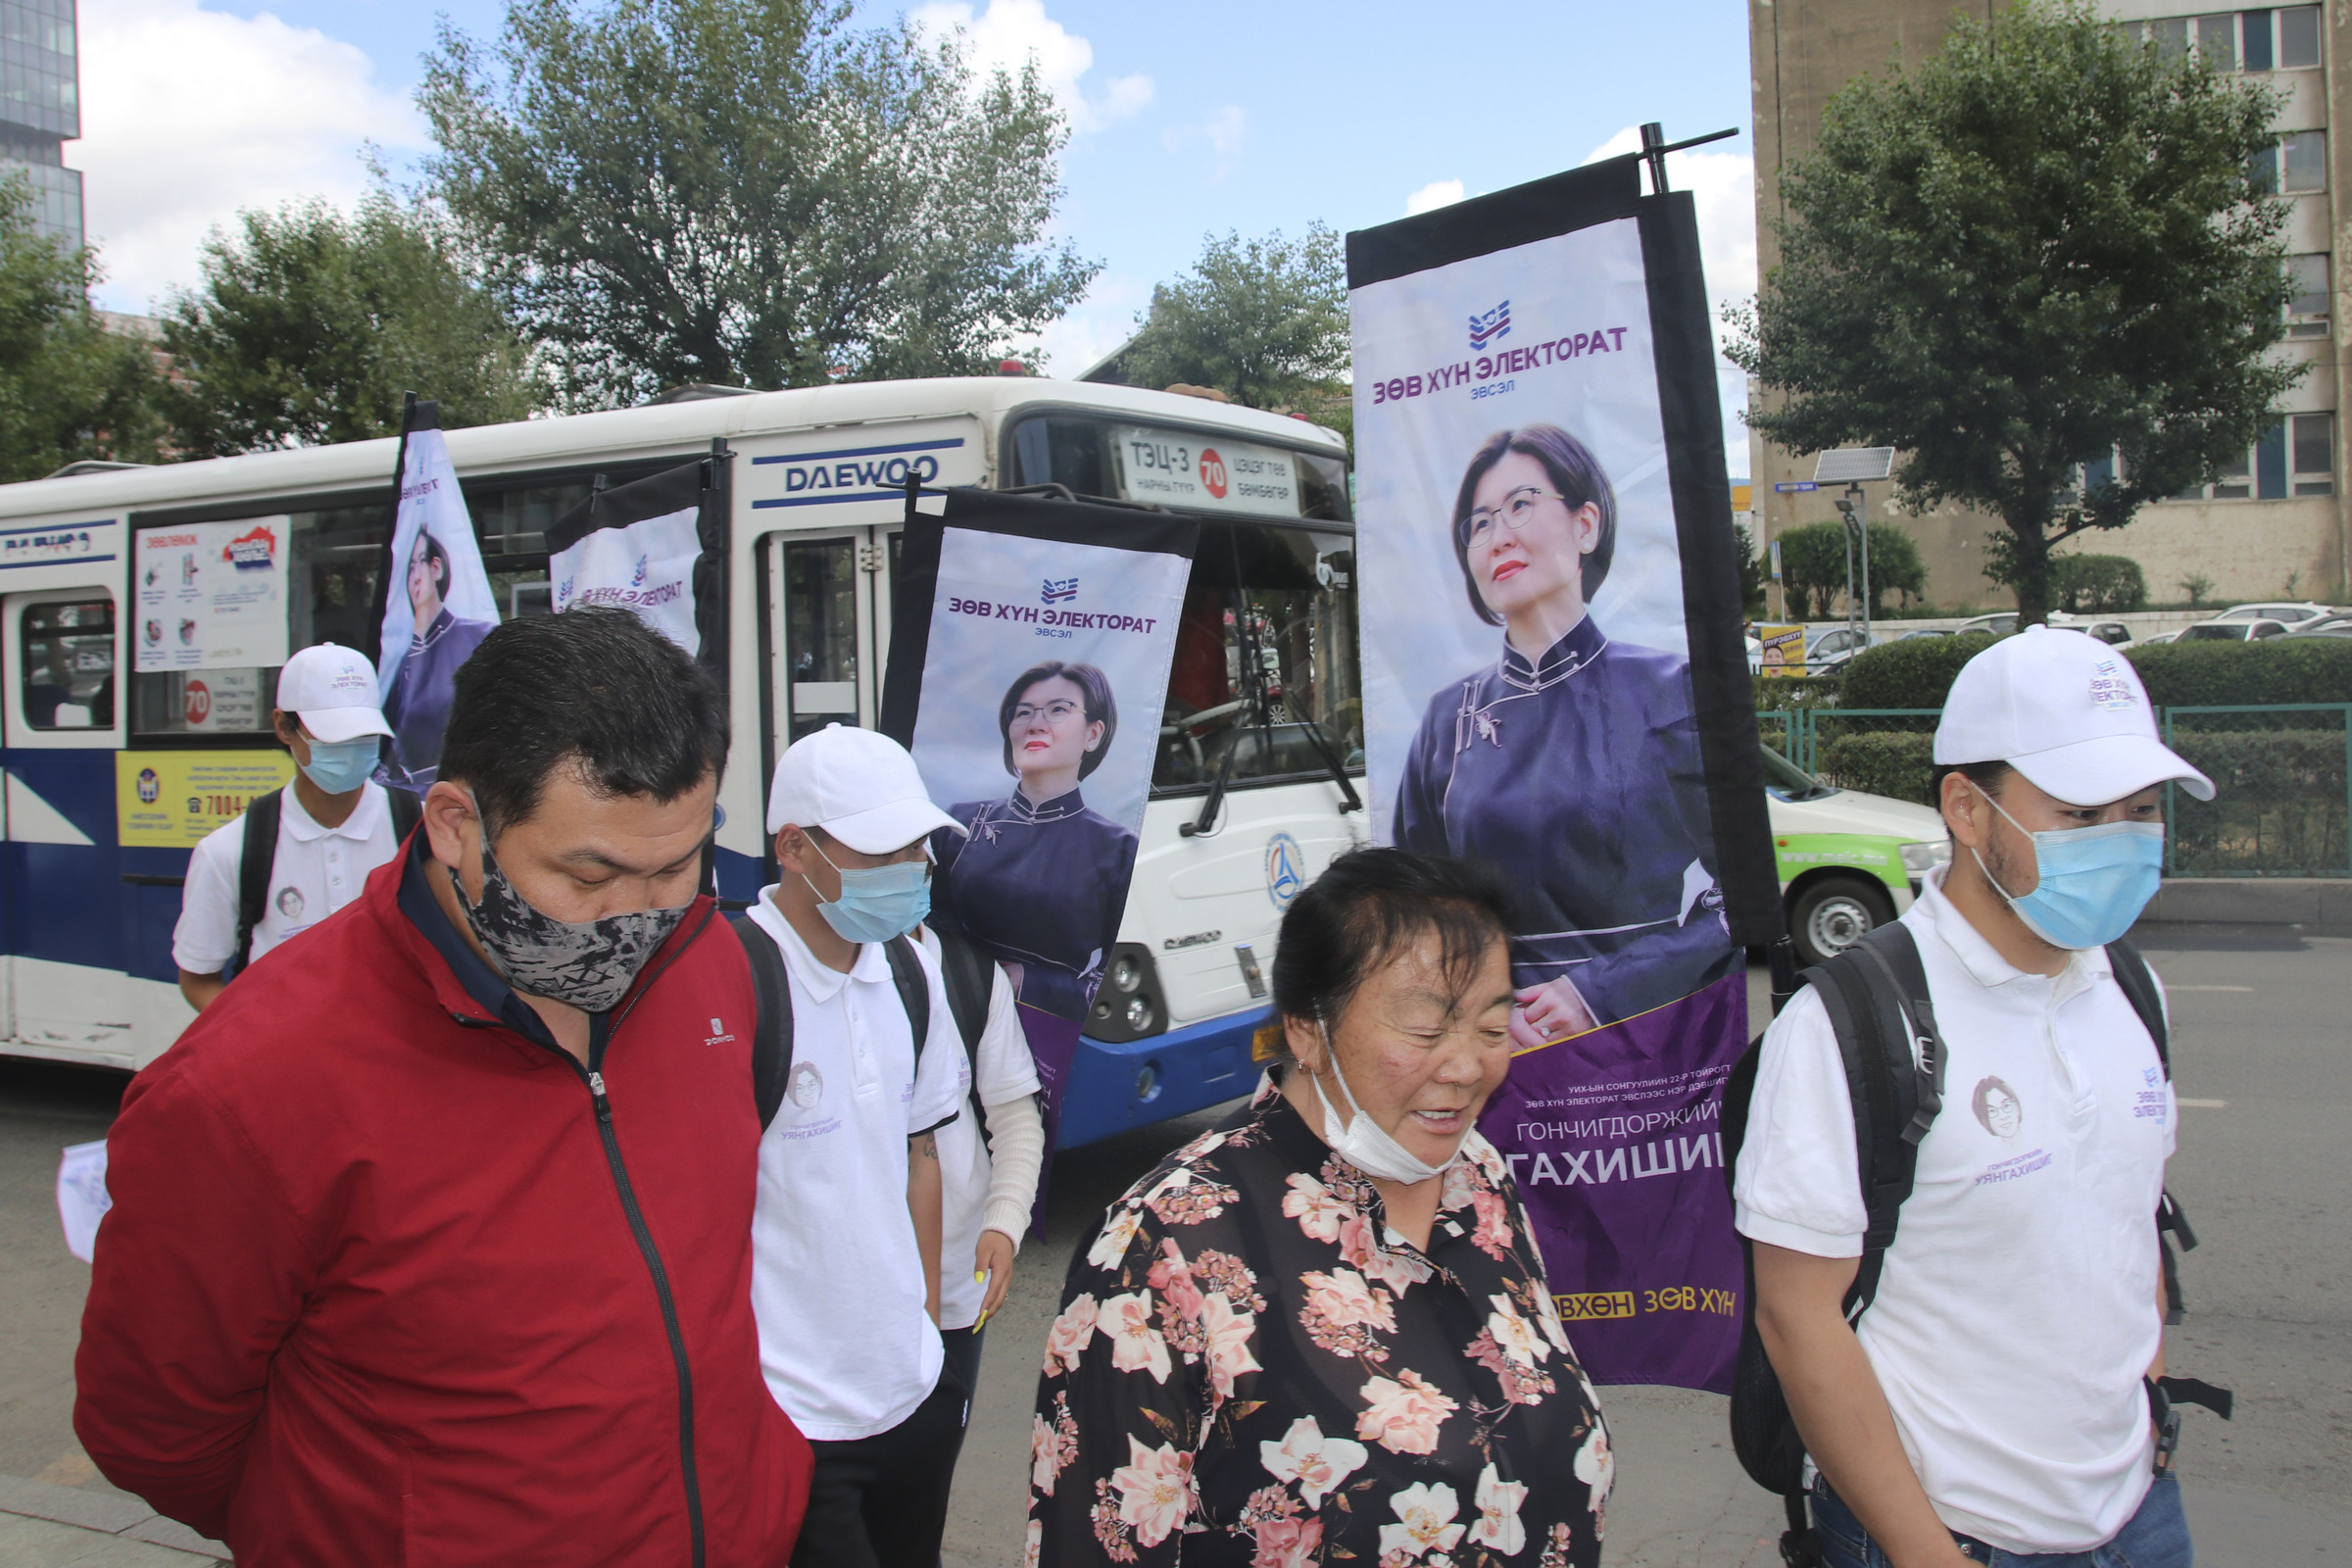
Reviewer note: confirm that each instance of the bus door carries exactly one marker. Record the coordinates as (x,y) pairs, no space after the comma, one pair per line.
(63,912)
(827,610)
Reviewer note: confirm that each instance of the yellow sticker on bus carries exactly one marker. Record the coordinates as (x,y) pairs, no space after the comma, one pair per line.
(171,800)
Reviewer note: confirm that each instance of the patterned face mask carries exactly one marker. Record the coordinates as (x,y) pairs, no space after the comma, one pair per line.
(588,964)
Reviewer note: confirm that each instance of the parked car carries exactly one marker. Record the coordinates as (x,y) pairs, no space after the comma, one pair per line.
(1828,650)
(1755,653)
(2160,637)
(2334,623)
(2000,624)
(2231,632)
(1848,860)
(1925,631)
(2288,613)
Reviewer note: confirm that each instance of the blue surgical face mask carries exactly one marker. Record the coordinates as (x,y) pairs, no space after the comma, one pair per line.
(341,766)
(876,903)
(2093,880)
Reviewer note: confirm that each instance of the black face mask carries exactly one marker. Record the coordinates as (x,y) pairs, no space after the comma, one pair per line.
(589,965)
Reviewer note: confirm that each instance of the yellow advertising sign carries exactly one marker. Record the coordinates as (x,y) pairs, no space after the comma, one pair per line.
(1783,650)
(171,800)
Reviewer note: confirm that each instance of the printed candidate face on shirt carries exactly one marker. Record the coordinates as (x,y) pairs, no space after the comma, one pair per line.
(289,903)
(1997,1107)
(807,1085)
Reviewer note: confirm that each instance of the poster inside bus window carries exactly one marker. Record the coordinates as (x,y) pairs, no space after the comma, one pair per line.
(211,596)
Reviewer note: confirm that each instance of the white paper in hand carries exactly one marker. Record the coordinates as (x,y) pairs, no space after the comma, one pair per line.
(82,1197)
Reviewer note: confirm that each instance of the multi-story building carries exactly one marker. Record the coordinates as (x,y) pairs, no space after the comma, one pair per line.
(41,109)
(2279,523)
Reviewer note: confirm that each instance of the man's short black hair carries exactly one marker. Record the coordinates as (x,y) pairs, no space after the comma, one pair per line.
(594,685)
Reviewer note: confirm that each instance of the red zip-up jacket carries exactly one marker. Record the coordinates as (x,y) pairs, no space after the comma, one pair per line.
(391,1279)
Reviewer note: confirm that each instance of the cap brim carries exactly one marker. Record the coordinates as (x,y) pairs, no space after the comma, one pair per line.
(890,827)
(335,725)
(2095,772)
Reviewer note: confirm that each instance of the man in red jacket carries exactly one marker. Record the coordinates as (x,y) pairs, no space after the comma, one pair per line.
(431,1241)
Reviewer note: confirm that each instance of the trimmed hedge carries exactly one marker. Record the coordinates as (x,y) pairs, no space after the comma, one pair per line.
(1918,672)
(1889,762)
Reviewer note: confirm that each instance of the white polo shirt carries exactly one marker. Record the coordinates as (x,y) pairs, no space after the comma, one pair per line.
(318,870)
(837,1280)
(1005,1071)
(2017,1312)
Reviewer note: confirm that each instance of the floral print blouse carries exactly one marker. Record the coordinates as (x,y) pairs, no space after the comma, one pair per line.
(1250,1368)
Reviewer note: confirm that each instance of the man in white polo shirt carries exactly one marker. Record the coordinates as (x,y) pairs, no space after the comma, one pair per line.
(846,1234)
(332,827)
(1992,1395)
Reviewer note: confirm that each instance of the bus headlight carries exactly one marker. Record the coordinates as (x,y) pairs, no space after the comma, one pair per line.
(1128,1004)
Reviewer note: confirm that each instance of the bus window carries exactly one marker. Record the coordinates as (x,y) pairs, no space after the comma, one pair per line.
(820,632)
(67,665)
(1095,456)
(1264,683)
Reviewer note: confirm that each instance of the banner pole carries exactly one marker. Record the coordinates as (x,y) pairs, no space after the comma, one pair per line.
(384,578)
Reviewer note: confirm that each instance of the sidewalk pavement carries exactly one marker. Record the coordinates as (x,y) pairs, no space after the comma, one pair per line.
(45,1526)
(2253,900)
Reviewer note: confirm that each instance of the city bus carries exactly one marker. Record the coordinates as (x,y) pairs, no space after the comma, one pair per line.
(113,774)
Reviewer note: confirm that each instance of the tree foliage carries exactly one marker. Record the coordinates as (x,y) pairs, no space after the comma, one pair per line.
(2043,246)
(1753,581)
(2090,585)
(310,323)
(1262,321)
(1813,566)
(744,192)
(70,389)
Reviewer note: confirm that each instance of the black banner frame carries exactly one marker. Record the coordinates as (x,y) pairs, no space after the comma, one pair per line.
(705,483)
(1683,350)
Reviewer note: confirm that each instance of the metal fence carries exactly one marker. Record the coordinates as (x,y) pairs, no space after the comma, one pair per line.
(2283,805)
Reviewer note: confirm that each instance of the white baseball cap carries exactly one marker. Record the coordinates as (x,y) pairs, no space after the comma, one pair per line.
(332,690)
(2067,712)
(857,785)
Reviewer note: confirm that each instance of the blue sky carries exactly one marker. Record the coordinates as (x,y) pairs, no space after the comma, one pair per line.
(1211,116)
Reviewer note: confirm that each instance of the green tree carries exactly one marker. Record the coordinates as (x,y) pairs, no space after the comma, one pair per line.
(2045,245)
(1262,321)
(743,192)
(70,389)
(1813,566)
(1753,582)
(310,325)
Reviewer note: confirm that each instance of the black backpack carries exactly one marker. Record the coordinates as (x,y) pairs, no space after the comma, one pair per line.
(1876,994)
(967,973)
(259,862)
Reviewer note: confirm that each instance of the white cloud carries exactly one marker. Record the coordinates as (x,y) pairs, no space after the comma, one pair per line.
(189,115)
(1010,32)
(1431,196)
(1225,131)
(1723,188)
(1105,319)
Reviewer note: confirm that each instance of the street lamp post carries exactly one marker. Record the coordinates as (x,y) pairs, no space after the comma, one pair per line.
(1852,465)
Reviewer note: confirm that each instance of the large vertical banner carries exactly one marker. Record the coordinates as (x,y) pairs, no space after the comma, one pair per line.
(1028,670)
(657,547)
(1555,682)
(438,604)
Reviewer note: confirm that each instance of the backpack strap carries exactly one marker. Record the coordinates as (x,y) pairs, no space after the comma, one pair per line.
(771,1033)
(407,812)
(915,989)
(970,977)
(257,861)
(2139,989)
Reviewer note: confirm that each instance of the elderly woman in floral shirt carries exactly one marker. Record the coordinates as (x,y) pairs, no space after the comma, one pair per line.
(1322,1332)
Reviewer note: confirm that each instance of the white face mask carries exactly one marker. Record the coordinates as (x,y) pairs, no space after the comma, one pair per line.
(1363,1144)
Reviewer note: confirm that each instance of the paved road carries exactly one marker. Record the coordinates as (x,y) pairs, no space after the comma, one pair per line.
(2262,1053)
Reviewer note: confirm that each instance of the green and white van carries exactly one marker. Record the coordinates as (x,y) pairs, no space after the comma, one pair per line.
(1848,860)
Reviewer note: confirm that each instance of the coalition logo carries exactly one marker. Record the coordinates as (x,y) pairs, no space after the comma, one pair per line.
(1058,590)
(2110,687)
(637,578)
(151,788)
(1494,324)
(1286,869)
(254,551)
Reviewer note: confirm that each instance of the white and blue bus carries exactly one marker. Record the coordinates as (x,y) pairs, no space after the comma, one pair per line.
(112,773)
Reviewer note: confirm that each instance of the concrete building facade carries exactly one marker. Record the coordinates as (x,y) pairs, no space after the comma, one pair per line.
(2279,524)
(41,109)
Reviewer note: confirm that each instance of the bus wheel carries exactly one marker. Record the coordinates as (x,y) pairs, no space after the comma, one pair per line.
(1828,916)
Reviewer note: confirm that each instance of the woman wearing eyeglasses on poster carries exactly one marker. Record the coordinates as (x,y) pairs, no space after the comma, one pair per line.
(1572,762)
(1041,879)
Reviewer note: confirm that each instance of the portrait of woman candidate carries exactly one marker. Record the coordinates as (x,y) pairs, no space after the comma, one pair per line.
(1041,880)
(1571,762)
(418,705)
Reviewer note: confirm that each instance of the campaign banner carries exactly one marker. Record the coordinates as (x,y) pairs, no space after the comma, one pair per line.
(1555,682)
(1784,649)
(438,604)
(1028,670)
(172,799)
(657,547)
(211,596)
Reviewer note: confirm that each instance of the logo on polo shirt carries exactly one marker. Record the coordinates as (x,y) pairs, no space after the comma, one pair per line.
(718,1034)
(807,1085)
